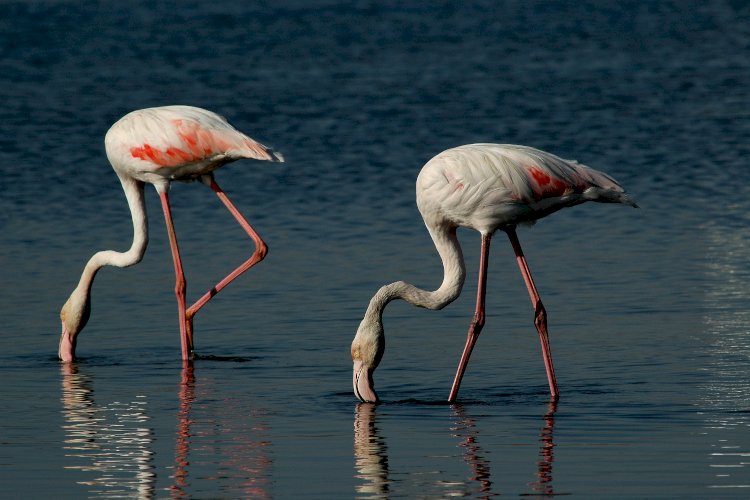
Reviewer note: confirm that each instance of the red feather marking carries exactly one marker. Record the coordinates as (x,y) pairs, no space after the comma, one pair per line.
(179,154)
(147,153)
(540,177)
(201,142)
(139,153)
(547,186)
(196,144)
(169,158)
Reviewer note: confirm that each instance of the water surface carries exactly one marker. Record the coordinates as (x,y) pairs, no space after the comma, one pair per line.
(648,308)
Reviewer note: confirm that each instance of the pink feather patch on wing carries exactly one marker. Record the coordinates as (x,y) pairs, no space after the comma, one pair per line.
(196,143)
(547,186)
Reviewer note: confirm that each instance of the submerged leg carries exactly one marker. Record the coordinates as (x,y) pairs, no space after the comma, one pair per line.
(477,322)
(540,314)
(261,249)
(186,334)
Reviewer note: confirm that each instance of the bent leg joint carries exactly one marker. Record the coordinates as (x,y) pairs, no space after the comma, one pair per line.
(180,288)
(262,250)
(540,316)
(477,323)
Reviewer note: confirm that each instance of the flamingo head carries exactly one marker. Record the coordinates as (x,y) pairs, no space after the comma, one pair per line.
(367,351)
(74,316)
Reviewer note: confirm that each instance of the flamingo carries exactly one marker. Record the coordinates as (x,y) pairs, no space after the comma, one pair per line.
(485,187)
(157,146)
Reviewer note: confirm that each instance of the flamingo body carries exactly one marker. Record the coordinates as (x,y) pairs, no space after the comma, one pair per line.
(157,146)
(488,186)
(485,187)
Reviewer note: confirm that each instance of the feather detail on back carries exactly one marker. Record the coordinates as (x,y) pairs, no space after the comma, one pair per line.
(486,186)
(183,140)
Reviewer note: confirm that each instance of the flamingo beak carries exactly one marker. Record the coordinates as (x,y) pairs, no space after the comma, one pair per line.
(363,383)
(67,349)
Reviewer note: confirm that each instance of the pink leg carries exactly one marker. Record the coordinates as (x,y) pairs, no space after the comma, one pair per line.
(540,314)
(477,322)
(261,249)
(186,334)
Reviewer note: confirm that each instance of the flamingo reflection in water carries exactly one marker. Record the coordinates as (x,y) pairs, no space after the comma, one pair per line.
(371,456)
(466,429)
(108,444)
(111,445)
(182,442)
(227,437)
(543,483)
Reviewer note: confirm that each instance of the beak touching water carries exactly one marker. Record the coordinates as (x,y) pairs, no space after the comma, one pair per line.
(363,384)
(67,348)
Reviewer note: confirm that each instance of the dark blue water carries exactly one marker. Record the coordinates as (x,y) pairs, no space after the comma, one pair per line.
(648,309)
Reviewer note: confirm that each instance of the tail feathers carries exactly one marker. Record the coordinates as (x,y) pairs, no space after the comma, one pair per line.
(276,156)
(602,187)
(258,151)
(604,195)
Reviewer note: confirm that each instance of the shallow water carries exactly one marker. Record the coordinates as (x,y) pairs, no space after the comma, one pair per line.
(648,308)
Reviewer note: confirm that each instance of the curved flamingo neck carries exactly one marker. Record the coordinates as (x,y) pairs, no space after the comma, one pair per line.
(134,194)
(454,273)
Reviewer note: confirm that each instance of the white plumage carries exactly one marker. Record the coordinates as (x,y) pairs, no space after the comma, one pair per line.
(485,187)
(158,146)
(488,186)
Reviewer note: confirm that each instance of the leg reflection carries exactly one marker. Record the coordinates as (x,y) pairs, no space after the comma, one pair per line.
(543,484)
(182,443)
(110,444)
(465,428)
(370,453)
(221,442)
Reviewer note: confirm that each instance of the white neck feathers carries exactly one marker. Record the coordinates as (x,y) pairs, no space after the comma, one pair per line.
(134,194)
(454,273)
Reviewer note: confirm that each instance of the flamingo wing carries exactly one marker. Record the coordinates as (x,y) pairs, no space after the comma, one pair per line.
(485,186)
(173,137)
